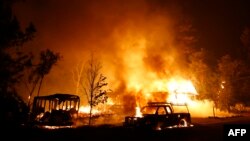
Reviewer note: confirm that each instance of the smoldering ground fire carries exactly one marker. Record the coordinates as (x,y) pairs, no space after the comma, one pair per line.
(143,45)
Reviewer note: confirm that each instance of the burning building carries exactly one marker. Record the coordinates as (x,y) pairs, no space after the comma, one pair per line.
(144,47)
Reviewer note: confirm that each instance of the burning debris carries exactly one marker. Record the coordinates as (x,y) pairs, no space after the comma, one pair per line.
(174,91)
(145,54)
(55,111)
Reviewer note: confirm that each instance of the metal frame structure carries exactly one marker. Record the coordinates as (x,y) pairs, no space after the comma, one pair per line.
(59,109)
(167,103)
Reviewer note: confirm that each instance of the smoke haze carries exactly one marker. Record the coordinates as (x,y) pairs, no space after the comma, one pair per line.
(133,39)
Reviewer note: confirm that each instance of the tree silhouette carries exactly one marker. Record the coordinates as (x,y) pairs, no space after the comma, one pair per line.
(47,60)
(203,77)
(13,62)
(230,71)
(94,84)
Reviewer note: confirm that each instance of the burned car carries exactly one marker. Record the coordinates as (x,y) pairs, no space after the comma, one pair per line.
(55,110)
(160,115)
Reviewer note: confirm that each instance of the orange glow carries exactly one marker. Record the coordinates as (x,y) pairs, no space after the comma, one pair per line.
(179,99)
(175,90)
(86,110)
(97,110)
(56,127)
(180,91)
(138,112)
(110,102)
(143,50)
(181,86)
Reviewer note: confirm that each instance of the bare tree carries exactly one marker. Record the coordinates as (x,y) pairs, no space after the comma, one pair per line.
(78,77)
(94,84)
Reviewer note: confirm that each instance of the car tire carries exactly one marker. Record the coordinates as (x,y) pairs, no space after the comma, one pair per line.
(183,123)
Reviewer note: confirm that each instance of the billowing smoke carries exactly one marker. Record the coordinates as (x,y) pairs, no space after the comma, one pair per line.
(138,42)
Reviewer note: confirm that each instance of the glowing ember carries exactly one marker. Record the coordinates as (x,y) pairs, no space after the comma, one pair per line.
(56,127)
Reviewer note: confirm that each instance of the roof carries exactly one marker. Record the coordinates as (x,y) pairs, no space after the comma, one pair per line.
(60,96)
(165,103)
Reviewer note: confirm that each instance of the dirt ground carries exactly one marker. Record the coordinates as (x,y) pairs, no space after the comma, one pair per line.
(204,129)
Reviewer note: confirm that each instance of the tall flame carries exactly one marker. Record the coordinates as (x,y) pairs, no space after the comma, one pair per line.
(180,91)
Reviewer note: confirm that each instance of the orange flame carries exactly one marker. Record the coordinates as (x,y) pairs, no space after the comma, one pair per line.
(86,110)
(180,91)
(138,112)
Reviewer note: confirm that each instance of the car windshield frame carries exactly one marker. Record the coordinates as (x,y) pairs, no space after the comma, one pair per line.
(152,108)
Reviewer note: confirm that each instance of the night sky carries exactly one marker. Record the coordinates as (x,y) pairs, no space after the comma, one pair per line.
(219,24)
(76,27)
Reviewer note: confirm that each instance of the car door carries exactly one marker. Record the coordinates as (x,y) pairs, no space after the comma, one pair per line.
(161,116)
(165,116)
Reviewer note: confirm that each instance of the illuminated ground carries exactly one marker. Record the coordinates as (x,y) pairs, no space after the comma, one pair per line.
(205,129)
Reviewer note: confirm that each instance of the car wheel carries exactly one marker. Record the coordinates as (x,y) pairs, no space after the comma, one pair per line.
(183,123)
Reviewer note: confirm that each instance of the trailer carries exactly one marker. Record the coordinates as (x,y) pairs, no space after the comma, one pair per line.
(55,110)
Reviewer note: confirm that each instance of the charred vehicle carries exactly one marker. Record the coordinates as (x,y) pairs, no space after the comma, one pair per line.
(161,115)
(55,110)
